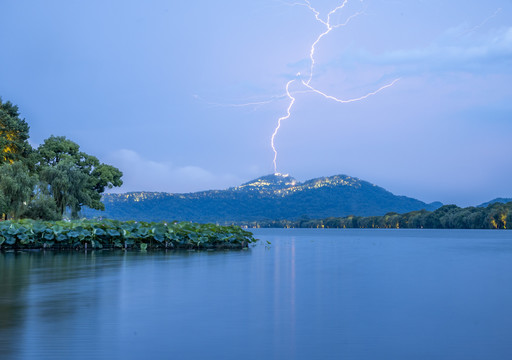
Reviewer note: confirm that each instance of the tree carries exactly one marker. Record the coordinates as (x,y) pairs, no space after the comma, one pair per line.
(56,148)
(14,136)
(66,184)
(68,178)
(16,187)
(75,179)
(42,207)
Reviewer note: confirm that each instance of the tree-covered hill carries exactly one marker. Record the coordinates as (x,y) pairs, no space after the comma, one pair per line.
(497,200)
(494,216)
(273,196)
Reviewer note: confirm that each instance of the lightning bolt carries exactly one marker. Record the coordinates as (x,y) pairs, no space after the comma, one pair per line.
(307,83)
(349,100)
(475,28)
(288,114)
(269,100)
(329,28)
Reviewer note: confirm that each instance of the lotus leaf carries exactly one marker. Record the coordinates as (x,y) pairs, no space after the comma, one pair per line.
(159,238)
(96,244)
(22,237)
(73,234)
(57,229)
(113,232)
(99,232)
(10,240)
(141,233)
(38,228)
(61,237)
(85,234)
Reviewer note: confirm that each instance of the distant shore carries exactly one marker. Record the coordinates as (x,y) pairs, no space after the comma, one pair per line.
(494,216)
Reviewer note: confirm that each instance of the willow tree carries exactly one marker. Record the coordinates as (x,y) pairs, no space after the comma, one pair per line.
(14,135)
(75,179)
(16,189)
(47,182)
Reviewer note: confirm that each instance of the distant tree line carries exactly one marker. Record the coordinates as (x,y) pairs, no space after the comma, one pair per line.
(51,180)
(494,216)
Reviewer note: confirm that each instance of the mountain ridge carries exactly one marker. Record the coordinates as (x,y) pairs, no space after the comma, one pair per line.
(496,200)
(273,196)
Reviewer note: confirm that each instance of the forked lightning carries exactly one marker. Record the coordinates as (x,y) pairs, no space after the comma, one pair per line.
(307,83)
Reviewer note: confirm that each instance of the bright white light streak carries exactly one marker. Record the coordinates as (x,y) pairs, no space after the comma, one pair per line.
(477,27)
(307,83)
(349,100)
(246,104)
(288,94)
(288,114)
(329,28)
(269,100)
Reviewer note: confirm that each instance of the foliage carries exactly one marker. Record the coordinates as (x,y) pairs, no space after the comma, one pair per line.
(16,186)
(494,216)
(57,148)
(115,234)
(66,185)
(13,134)
(45,183)
(75,179)
(42,207)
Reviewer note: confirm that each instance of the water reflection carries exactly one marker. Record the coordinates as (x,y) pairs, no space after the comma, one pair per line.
(47,288)
(12,311)
(312,294)
(283,318)
(48,299)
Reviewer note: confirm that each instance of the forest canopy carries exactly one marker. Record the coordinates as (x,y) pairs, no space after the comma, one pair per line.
(493,216)
(50,181)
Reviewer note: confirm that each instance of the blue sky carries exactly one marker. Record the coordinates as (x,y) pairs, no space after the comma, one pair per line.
(148,86)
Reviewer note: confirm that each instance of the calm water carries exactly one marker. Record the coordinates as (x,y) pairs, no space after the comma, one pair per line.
(311,294)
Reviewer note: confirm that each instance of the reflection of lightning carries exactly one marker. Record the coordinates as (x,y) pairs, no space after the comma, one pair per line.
(329,28)
(281,119)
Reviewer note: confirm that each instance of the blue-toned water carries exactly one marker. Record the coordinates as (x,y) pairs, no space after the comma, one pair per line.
(310,294)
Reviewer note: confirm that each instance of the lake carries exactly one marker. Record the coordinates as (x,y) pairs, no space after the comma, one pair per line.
(310,294)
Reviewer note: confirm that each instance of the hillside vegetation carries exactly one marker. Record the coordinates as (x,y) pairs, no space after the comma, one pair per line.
(494,216)
(266,198)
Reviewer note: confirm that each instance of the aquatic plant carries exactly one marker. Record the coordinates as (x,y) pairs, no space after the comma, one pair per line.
(77,234)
